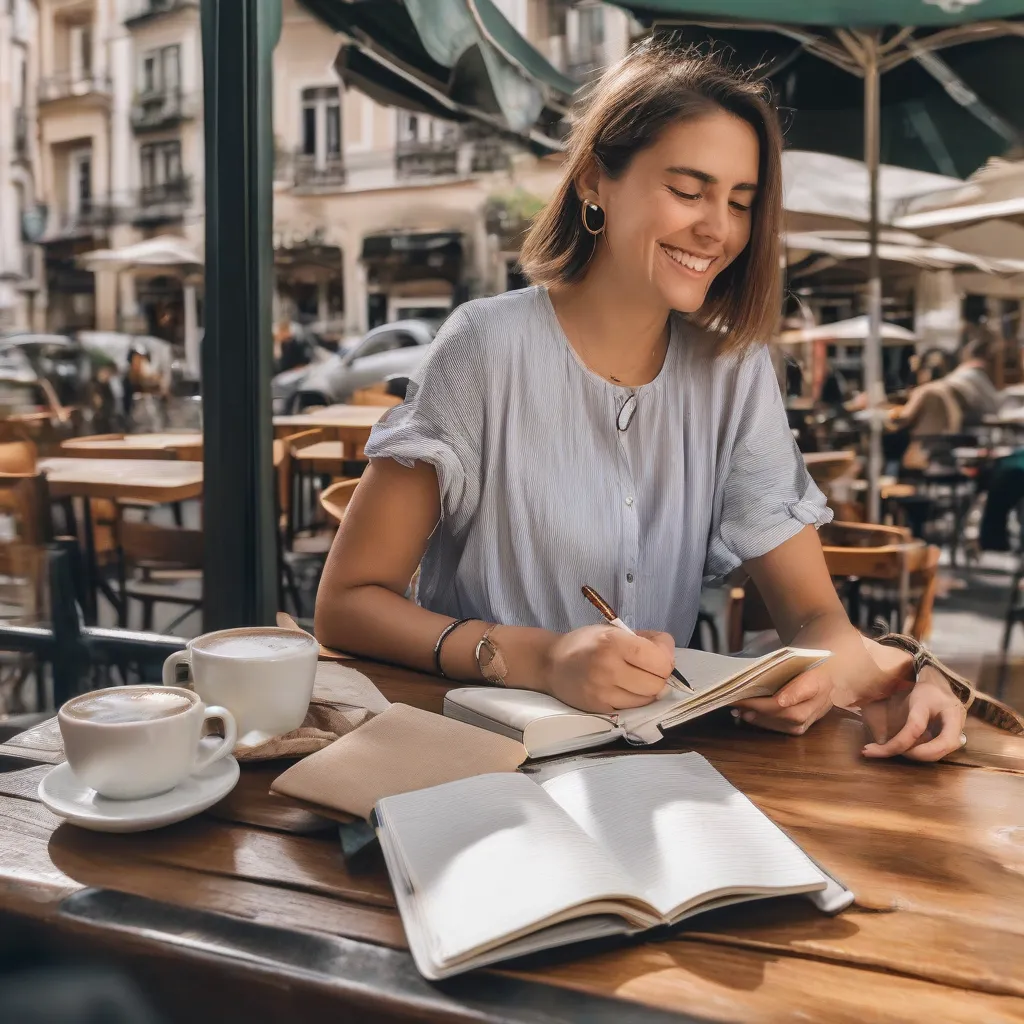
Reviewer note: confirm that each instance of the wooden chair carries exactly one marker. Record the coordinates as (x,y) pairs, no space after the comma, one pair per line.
(335,499)
(154,562)
(18,457)
(879,572)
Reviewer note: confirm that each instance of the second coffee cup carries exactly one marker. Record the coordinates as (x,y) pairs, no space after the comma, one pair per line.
(263,675)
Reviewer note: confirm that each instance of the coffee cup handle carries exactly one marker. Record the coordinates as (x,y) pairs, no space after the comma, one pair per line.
(171,669)
(226,745)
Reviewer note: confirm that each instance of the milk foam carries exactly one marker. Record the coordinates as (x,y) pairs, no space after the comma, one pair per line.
(113,706)
(254,644)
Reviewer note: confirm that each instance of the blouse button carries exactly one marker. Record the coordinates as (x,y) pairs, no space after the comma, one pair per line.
(629,577)
(629,502)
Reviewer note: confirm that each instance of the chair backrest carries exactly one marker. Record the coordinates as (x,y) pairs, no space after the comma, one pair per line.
(18,457)
(142,541)
(335,499)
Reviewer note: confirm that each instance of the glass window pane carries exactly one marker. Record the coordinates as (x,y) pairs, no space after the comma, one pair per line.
(334,129)
(309,130)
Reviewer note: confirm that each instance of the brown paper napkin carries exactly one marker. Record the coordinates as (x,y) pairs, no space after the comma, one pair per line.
(323,724)
(401,749)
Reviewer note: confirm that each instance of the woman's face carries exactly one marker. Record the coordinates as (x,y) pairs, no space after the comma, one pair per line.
(682,211)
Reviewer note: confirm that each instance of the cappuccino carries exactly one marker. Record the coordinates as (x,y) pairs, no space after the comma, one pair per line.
(135,704)
(254,643)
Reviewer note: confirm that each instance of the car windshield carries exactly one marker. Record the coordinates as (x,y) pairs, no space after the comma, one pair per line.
(383,341)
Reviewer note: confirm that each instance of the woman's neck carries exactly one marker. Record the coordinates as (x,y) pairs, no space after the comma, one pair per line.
(621,335)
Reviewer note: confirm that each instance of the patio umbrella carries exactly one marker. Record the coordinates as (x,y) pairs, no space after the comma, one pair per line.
(952,77)
(854,331)
(460,60)
(893,247)
(165,254)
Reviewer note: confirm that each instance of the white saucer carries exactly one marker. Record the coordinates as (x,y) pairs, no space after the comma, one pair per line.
(71,799)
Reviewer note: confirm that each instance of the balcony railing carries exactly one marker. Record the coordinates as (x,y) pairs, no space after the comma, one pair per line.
(66,84)
(140,10)
(427,159)
(325,172)
(161,109)
(92,215)
(167,200)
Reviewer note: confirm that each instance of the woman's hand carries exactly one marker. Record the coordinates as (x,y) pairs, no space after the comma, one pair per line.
(604,669)
(796,707)
(923,721)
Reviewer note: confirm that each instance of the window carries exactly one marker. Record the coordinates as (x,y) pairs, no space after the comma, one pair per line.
(160,163)
(321,123)
(80,180)
(161,70)
(80,42)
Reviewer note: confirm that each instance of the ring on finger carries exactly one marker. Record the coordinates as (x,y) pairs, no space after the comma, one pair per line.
(963,739)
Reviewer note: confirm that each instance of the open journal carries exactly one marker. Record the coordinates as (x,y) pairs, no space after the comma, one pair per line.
(546,726)
(498,866)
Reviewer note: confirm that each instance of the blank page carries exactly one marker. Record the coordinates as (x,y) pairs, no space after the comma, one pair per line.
(491,856)
(681,829)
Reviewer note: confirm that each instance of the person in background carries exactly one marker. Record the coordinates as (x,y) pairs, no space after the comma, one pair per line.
(970,381)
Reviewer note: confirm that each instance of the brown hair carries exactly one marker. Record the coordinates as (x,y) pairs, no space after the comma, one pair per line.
(657,84)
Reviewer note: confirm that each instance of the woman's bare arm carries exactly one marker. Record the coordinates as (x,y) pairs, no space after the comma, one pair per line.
(361,607)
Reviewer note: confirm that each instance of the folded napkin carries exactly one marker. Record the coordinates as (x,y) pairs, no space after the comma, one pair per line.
(401,749)
(323,724)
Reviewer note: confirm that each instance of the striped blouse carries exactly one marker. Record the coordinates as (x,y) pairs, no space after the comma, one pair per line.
(541,491)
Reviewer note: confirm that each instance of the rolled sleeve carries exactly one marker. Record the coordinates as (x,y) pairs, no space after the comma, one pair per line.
(768,495)
(441,420)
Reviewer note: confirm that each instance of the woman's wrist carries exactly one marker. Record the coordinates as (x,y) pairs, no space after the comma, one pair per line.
(524,649)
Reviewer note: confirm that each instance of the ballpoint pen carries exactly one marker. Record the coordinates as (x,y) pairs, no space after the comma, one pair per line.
(609,613)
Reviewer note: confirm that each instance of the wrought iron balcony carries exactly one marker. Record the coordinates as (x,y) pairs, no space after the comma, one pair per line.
(141,10)
(309,172)
(92,216)
(427,159)
(167,200)
(161,109)
(67,85)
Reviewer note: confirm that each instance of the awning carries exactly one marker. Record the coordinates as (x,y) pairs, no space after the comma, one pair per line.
(456,59)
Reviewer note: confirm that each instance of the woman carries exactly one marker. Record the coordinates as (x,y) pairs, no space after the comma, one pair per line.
(616,425)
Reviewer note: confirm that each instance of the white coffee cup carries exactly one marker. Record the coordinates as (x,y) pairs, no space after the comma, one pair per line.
(263,675)
(132,742)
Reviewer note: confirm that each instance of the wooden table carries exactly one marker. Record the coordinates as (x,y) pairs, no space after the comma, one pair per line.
(349,424)
(123,479)
(116,479)
(136,446)
(255,906)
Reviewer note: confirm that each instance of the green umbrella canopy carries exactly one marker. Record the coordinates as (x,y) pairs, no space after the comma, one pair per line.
(950,95)
(839,13)
(457,59)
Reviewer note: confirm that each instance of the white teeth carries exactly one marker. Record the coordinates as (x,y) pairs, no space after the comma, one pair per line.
(687,259)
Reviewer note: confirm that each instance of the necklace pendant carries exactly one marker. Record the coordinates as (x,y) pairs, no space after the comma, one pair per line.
(614,379)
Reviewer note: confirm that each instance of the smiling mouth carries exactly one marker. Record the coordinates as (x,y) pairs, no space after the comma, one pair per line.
(688,260)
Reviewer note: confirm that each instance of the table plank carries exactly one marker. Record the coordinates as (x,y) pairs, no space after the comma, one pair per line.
(123,479)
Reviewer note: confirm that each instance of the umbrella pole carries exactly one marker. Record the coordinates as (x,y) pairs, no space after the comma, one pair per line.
(873,348)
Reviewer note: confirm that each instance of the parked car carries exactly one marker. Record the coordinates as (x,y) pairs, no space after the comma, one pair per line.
(50,357)
(391,350)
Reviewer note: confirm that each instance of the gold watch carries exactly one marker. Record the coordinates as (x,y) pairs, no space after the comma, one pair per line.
(489,658)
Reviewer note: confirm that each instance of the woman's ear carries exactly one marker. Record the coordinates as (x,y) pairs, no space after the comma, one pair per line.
(587,183)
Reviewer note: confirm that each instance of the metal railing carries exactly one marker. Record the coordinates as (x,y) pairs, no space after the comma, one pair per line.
(427,159)
(90,215)
(67,84)
(310,172)
(166,200)
(161,108)
(140,10)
